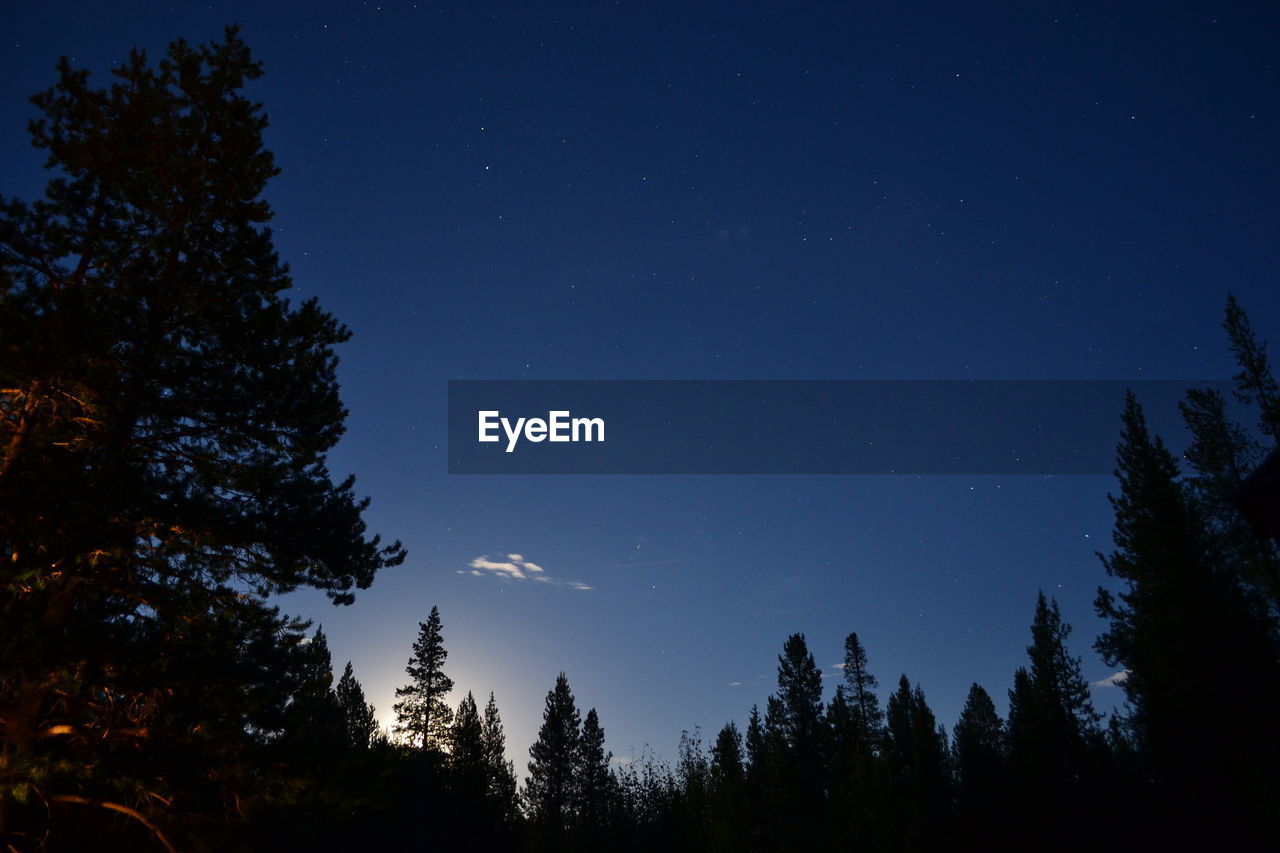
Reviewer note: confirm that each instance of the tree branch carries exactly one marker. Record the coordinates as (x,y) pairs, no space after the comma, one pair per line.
(76,799)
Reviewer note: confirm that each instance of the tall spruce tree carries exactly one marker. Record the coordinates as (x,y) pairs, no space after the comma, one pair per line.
(314,716)
(593,783)
(501,772)
(728,809)
(726,758)
(423,714)
(1193,648)
(1254,383)
(978,757)
(468,760)
(978,746)
(915,750)
(855,722)
(761,775)
(1057,751)
(359,718)
(756,745)
(801,721)
(549,788)
(1057,681)
(1223,453)
(860,687)
(165,415)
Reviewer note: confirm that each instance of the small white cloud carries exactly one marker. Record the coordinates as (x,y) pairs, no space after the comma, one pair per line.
(735,683)
(1113,680)
(510,570)
(837,666)
(517,568)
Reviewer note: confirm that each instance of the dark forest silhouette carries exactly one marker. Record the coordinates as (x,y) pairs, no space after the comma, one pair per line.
(166,415)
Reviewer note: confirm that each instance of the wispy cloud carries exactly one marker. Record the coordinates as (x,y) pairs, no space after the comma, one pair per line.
(515,568)
(1113,680)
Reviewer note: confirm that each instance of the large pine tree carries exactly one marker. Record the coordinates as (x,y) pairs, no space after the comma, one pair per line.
(1193,647)
(314,718)
(423,714)
(549,787)
(801,720)
(860,686)
(165,414)
(1223,453)
(501,772)
(594,786)
(1056,750)
(978,747)
(1254,383)
(359,718)
(1058,685)
(468,758)
(916,758)
(855,721)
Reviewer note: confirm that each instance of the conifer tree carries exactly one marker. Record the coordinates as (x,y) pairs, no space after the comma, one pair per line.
(1057,681)
(468,760)
(1193,647)
(978,747)
(501,772)
(359,717)
(1057,751)
(423,716)
(765,771)
(727,779)
(801,722)
(855,722)
(1254,383)
(1222,454)
(593,783)
(549,788)
(860,687)
(916,757)
(1022,724)
(756,745)
(726,758)
(164,422)
(314,715)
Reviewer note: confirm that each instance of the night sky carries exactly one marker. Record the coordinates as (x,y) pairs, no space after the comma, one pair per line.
(732,191)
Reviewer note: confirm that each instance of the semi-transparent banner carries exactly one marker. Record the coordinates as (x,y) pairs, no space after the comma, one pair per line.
(803,427)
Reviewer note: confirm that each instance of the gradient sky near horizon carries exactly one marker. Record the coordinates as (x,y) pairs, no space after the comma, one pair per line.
(731,191)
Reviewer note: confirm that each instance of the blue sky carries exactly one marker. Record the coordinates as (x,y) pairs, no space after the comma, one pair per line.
(730,191)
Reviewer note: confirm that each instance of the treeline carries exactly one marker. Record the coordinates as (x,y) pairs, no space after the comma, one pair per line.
(166,412)
(1189,761)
